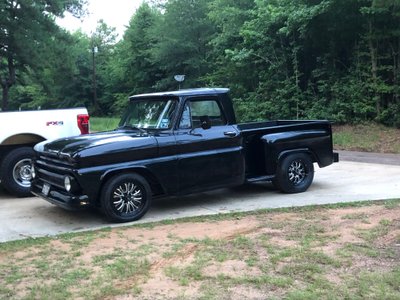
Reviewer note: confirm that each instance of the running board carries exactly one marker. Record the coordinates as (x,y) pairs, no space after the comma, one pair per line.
(260,178)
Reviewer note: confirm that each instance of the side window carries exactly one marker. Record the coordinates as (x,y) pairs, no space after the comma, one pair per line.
(196,110)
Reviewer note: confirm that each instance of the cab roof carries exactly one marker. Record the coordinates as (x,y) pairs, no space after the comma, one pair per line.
(184,93)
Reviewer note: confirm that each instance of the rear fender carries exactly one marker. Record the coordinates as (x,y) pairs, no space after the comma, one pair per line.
(316,143)
(307,151)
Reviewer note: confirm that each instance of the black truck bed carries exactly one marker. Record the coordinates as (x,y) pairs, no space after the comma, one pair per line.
(277,125)
(265,143)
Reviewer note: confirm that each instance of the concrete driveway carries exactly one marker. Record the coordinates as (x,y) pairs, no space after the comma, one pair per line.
(346,181)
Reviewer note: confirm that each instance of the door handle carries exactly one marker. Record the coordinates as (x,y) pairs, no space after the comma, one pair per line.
(230,133)
(192,132)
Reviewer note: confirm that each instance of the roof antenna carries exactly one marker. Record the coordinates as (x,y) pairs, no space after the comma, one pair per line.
(179,78)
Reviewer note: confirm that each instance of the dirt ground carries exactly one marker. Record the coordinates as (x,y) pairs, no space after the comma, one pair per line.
(340,225)
(316,252)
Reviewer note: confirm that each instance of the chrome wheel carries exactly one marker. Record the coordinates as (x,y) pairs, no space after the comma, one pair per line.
(297,172)
(128,198)
(125,197)
(22,173)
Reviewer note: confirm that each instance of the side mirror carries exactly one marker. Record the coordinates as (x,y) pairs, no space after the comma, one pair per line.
(205,122)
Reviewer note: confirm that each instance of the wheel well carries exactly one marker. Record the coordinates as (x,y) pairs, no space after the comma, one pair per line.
(154,183)
(295,151)
(284,154)
(6,149)
(23,139)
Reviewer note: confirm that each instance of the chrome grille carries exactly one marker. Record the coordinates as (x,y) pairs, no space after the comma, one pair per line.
(52,171)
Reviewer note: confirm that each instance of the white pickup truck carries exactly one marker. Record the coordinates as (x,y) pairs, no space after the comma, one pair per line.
(21,130)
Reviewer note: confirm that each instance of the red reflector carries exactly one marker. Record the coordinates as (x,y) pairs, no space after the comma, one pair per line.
(83,123)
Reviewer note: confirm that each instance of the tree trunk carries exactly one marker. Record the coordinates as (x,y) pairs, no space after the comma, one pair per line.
(4,105)
(374,68)
(94,81)
(6,83)
(396,70)
(295,61)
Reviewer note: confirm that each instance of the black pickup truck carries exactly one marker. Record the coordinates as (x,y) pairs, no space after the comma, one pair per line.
(177,143)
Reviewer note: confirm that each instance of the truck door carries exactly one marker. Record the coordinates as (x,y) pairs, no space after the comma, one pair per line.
(209,150)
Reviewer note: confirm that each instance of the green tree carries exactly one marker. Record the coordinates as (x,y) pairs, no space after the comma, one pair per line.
(26,28)
(141,71)
(102,43)
(332,59)
(229,68)
(382,43)
(274,45)
(184,47)
(50,84)
(131,67)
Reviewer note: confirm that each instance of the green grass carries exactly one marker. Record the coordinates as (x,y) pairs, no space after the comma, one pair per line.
(370,235)
(43,241)
(369,137)
(253,261)
(103,124)
(355,216)
(351,249)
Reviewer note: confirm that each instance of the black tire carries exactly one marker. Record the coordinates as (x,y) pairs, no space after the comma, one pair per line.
(295,173)
(15,171)
(125,197)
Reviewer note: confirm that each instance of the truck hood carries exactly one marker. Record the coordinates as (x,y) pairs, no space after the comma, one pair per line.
(101,148)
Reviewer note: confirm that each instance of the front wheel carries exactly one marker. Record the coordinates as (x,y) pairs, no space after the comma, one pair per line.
(16,173)
(295,173)
(125,197)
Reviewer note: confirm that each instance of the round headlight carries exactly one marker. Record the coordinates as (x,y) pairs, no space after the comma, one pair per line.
(67,183)
(33,172)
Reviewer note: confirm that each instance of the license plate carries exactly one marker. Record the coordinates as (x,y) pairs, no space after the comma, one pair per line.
(46,189)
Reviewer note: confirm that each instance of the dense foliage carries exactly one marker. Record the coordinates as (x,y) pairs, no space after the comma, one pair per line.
(32,45)
(333,59)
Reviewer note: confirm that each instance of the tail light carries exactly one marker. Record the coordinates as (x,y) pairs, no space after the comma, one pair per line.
(83,123)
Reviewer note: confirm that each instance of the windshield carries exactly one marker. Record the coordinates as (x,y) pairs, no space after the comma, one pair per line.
(149,114)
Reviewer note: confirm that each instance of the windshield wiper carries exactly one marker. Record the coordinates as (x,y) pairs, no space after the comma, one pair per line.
(131,127)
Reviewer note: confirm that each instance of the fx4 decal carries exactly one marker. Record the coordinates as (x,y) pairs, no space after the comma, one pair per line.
(55,123)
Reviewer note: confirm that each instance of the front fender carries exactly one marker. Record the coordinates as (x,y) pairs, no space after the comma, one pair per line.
(92,180)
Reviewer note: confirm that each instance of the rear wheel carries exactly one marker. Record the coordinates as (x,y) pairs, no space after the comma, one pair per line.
(16,173)
(125,197)
(295,173)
